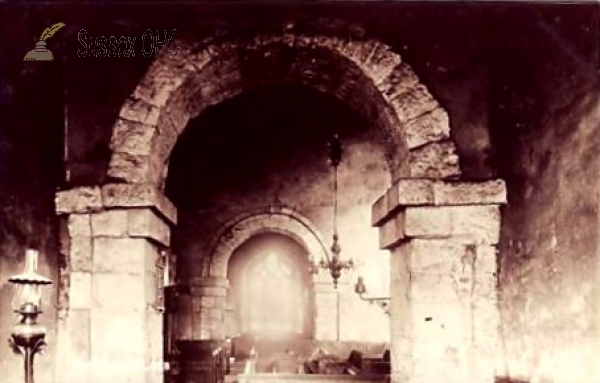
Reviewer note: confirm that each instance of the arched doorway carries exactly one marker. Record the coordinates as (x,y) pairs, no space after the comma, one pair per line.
(270,289)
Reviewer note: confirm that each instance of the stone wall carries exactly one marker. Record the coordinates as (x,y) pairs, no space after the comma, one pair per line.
(111,314)
(549,246)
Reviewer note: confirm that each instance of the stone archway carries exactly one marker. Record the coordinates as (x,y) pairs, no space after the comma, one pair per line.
(281,220)
(367,75)
(278,220)
(114,232)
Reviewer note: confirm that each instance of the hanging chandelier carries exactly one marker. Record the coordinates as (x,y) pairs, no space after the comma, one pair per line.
(334,264)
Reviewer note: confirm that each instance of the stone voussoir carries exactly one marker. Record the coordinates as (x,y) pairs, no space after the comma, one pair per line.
(130,167)
(470,193)
(436,160)
(136,109)
(178,114)
(167,132)
(198,57)
(369,56)
(217,268)
(158,171)
(163,83)
(132,137)
(400,80)
(138,195)
(413,103)
(380,61)
(357,51)
(430,127)
(167,71)
(78,200)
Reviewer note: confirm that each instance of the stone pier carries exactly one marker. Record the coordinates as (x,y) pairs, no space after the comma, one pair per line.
(110,325)
(443,238)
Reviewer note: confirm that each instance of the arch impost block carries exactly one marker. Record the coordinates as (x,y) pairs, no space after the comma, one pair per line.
(82,199)
(86,199)
(428,192)
(491,192)
(139,195)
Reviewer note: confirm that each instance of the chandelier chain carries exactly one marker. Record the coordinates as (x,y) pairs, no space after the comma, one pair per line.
(335,201)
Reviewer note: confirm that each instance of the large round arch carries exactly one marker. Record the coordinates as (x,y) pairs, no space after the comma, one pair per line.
(366,74)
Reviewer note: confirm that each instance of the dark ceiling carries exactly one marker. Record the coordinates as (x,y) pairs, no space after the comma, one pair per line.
(493,66)
(241,141)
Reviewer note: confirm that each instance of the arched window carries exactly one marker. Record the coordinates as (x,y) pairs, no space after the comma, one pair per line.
(270,288)
(273,299)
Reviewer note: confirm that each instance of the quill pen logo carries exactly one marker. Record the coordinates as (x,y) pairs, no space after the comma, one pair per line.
(40,52)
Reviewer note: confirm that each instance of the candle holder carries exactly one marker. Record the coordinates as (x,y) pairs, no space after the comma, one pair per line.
(361,289)
(28,337)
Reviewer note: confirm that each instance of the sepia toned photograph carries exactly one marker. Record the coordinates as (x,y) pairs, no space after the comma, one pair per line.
(300,192)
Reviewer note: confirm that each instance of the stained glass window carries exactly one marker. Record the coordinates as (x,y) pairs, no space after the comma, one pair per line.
(273,297)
